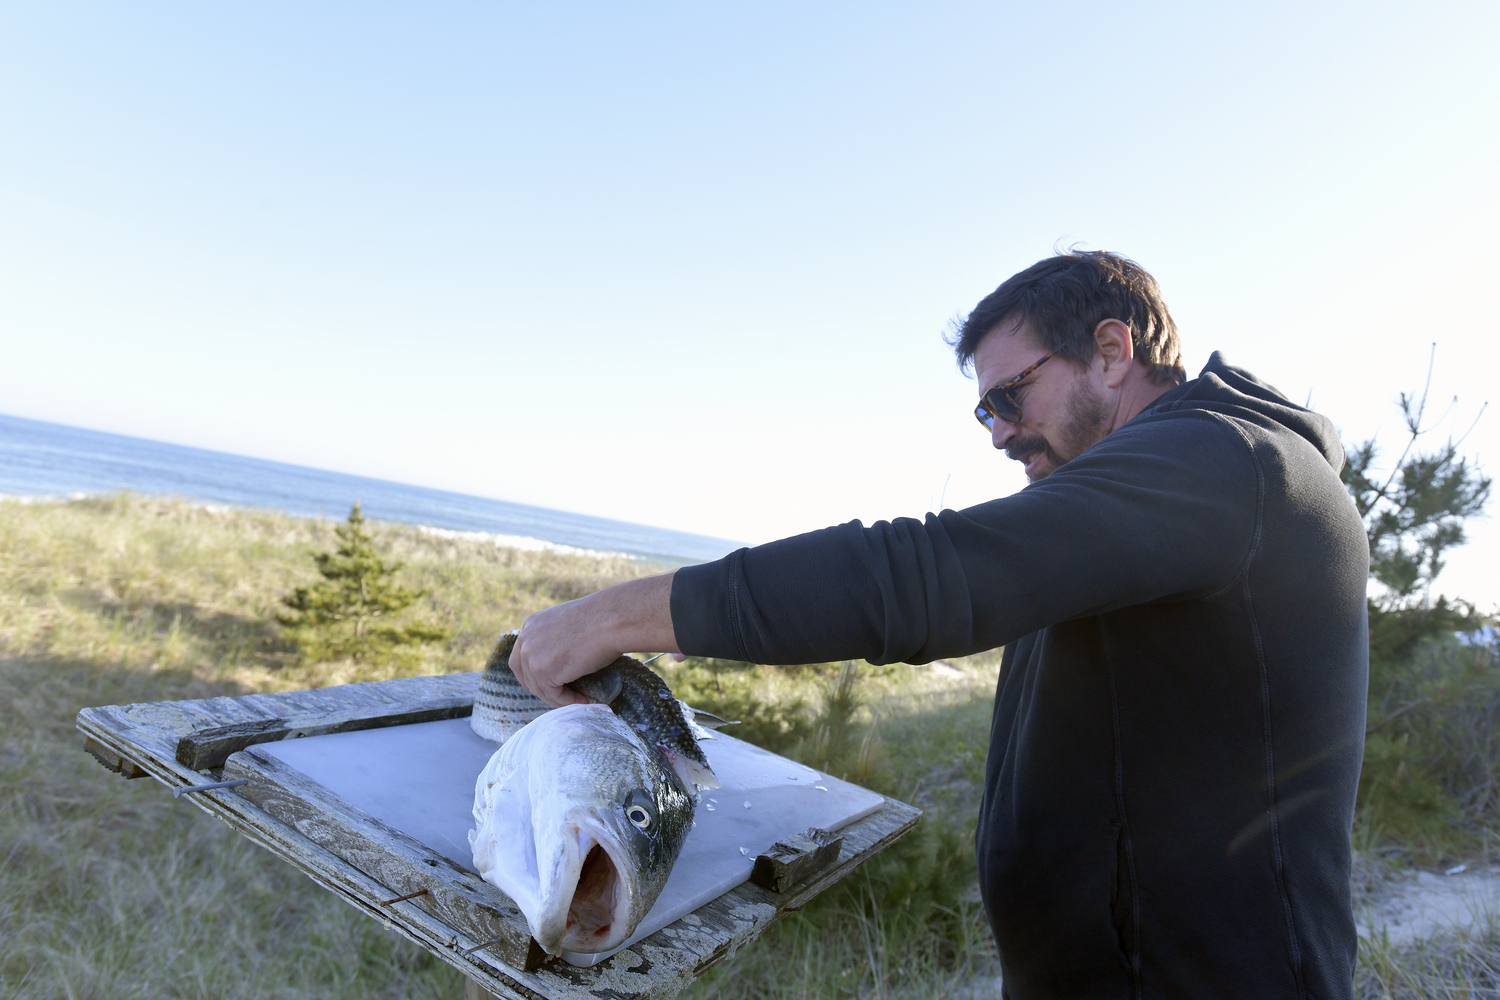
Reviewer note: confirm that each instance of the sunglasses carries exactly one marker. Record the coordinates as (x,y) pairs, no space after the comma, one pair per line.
(998,402)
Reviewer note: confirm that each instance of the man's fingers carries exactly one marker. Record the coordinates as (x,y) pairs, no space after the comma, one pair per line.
(560,696)
(542,682)
(566,641)
(554,648)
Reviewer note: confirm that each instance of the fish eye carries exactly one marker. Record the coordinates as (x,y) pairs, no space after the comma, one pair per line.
(638,809)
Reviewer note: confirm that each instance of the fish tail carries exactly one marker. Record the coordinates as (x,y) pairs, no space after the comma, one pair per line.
(502,707)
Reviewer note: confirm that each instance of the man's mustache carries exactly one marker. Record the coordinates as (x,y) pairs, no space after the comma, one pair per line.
(1017,448)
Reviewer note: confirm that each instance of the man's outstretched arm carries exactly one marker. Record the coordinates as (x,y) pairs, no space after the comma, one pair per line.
(567,641)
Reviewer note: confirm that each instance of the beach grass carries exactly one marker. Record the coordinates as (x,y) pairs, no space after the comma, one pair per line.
(1462,964)
(111,888)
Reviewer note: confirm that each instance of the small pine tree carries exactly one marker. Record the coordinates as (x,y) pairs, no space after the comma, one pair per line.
(349,612)
(1413,515)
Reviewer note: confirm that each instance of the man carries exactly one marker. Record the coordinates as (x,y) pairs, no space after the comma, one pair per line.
(1181,593)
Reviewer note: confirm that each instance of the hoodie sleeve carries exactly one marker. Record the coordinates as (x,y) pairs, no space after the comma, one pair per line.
(1163,509)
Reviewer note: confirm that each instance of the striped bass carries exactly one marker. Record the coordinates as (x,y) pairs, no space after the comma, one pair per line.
(581,813)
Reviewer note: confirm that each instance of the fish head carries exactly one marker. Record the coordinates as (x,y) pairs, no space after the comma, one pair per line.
(584,829)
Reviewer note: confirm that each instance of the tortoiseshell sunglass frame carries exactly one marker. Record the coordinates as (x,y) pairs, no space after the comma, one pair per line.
(998,402)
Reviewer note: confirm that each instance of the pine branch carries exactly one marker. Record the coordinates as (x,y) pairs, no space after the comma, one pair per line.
(1412,519)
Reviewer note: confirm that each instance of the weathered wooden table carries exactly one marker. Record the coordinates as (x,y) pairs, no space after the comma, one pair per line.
(444,907)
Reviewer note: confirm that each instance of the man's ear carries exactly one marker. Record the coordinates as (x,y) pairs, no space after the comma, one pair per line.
(1116,350)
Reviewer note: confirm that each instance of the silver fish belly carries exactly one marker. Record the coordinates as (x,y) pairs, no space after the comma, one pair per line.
(579,823)
(581,813)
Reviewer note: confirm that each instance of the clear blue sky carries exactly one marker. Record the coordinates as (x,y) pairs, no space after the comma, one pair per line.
(690,264)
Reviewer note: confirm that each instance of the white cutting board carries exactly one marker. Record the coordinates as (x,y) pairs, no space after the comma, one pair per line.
(420,780)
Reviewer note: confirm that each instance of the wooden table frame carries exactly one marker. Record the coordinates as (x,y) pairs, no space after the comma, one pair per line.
(451,912)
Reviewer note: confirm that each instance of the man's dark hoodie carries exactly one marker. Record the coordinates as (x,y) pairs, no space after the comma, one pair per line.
(1179,722)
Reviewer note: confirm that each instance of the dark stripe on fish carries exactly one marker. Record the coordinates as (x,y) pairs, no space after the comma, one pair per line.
(502,706)
(632,690)
(641,698)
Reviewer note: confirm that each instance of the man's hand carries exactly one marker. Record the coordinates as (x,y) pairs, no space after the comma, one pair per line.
(567,641)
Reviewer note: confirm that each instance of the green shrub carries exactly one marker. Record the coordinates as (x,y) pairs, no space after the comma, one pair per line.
(1431,776)
(1429,785)
(350,613)
(729,689)
(1414,513)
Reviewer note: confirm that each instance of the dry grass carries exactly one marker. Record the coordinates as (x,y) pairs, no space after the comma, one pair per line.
(1454,966)
(137,583)
(113,889)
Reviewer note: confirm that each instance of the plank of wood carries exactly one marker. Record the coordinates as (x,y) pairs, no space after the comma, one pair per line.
(457,897)
(659,966)
(210,747)
(158,727)
(789,862)
(112,760)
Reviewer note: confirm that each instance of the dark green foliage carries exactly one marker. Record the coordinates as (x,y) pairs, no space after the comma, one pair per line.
(1431,776)
(727,689)
(828,739)
(350,613)
(1413,515)
(834,735)
(916,896)
(914,888)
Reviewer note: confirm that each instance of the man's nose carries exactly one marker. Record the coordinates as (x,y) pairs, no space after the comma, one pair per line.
(1002,432)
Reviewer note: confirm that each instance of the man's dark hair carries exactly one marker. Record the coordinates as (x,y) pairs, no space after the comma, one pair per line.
(1064,297)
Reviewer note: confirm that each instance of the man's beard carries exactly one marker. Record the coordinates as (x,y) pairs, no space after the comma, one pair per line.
(1085,426)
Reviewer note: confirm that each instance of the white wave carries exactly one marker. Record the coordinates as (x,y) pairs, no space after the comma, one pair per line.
(521,542)
(30,498)
(43,497)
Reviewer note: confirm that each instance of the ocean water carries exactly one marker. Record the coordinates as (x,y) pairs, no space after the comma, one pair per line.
(43,459)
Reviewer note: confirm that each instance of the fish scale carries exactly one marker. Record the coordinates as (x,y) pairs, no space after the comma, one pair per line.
(502,707)
(580,823)
(581,813)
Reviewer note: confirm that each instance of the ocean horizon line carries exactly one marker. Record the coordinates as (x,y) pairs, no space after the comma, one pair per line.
(523,543)
(41,458)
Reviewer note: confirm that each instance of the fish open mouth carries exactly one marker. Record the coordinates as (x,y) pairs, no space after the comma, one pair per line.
(596,917)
